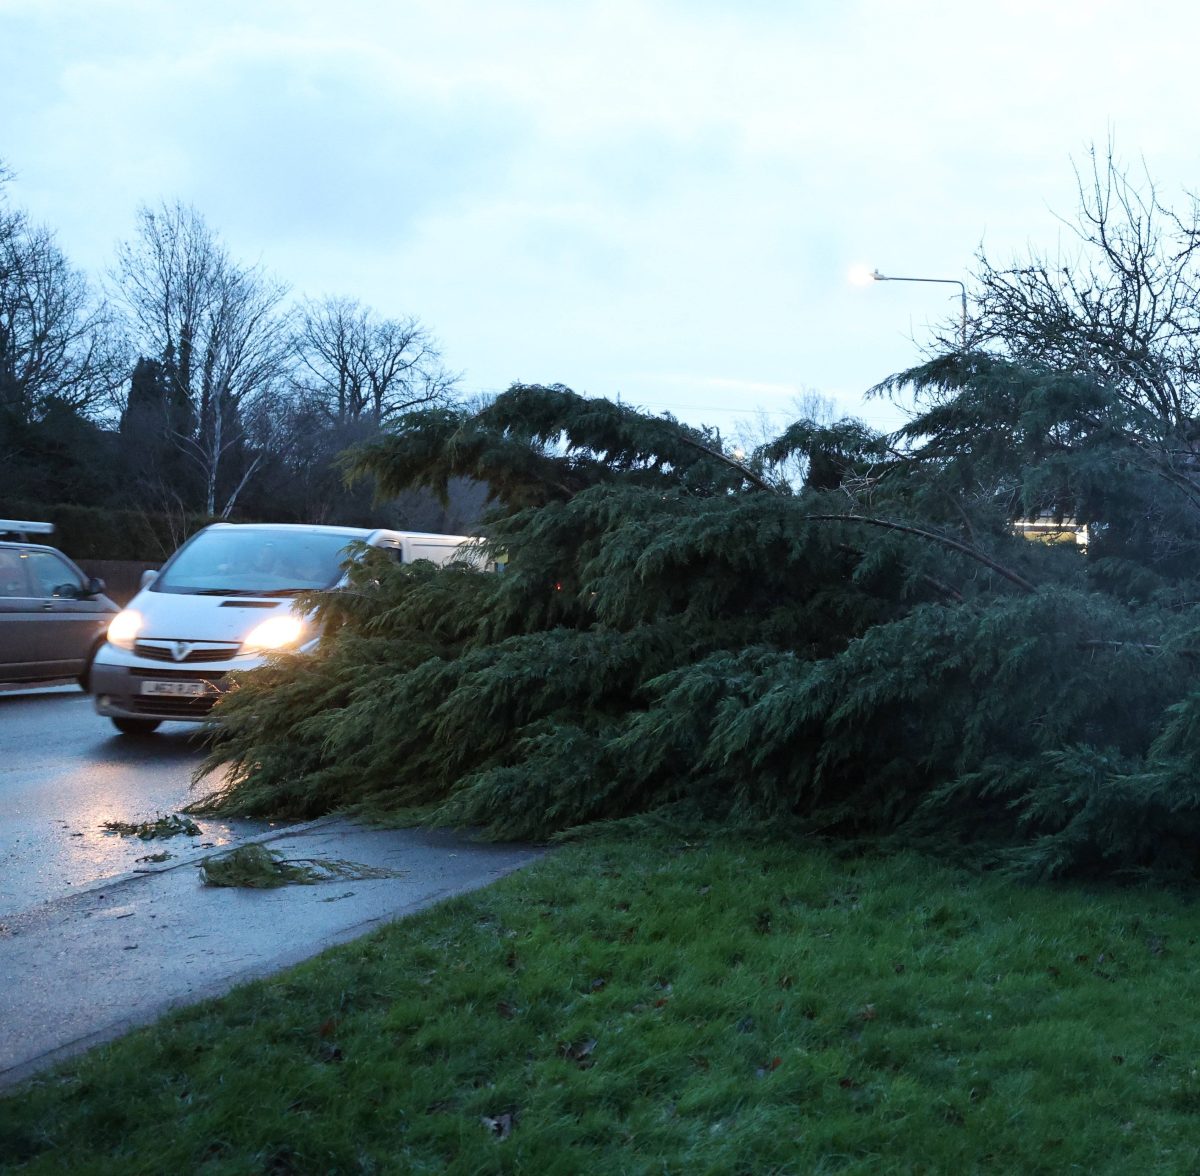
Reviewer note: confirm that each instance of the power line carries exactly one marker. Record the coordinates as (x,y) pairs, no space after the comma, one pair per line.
(677,409)
(718,408)
(620,398)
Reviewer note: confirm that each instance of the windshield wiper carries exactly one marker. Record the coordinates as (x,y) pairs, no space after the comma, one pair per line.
(213,591)
(261,593)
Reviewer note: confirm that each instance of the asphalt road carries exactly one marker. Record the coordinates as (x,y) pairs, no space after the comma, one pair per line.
(64,771)
(92,943)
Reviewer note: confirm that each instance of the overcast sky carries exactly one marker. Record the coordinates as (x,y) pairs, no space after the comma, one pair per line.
(660,200)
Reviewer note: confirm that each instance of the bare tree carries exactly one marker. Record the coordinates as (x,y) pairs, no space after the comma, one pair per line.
(753,434)
(357,366)
(1123,306)
(57,341)
(217,329)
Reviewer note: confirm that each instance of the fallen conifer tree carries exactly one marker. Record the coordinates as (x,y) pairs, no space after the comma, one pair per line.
(873,651)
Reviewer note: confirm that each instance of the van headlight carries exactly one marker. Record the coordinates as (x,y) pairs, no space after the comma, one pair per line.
(275,633)
(124,627)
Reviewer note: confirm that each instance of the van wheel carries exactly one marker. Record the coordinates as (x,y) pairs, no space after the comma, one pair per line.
(136,726)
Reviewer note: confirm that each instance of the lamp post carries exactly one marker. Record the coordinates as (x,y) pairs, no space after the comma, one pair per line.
(876,276)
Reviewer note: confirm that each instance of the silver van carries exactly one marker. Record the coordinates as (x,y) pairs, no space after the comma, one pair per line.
(223,602)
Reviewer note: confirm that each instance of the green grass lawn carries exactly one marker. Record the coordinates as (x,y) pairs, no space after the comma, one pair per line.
(650,1005)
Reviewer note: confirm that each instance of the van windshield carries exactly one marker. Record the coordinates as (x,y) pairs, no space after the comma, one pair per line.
(249,562)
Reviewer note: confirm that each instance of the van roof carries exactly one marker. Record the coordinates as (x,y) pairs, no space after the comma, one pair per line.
(367,533)
(318,528)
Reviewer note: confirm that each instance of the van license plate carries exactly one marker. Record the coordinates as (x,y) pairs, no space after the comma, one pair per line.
(176,689)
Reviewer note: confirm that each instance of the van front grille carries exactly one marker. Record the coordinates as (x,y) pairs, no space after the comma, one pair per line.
(165,651)
(174,708)
(169,708)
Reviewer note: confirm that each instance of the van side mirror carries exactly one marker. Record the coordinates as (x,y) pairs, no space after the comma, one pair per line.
(148,578)
(95,587)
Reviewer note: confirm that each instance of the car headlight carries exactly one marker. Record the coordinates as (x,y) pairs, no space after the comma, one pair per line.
(124,627)
(275,633)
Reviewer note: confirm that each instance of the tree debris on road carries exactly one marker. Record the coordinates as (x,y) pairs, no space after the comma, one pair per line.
(170,826)
(257,867)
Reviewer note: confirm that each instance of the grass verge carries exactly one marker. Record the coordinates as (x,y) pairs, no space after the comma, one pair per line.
(664,1006)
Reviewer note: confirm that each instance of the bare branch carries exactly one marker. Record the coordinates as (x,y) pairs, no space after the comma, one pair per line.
(357,366)
(933,536)
(216,328)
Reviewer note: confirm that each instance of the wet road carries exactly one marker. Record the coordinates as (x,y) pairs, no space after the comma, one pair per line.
(64,771)
(89,948)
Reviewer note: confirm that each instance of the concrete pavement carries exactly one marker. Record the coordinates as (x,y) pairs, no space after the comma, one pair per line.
(88,967)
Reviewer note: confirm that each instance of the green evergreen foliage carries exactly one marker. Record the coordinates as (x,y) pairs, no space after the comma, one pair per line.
(876,653)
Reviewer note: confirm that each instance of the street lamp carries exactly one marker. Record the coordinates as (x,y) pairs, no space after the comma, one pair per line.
(876,276)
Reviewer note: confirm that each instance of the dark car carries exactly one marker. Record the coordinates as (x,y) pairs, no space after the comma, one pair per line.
(52,616)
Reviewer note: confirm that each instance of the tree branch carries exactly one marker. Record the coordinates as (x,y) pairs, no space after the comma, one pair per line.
(933,536)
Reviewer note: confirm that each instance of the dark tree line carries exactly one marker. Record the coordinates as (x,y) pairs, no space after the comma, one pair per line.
(189,383)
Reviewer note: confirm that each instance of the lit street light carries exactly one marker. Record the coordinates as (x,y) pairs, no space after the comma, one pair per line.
(862,276)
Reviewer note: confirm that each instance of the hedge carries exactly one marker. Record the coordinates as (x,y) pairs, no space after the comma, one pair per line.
(90,532)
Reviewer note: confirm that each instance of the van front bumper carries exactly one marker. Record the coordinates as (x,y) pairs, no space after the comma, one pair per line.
(125,686)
